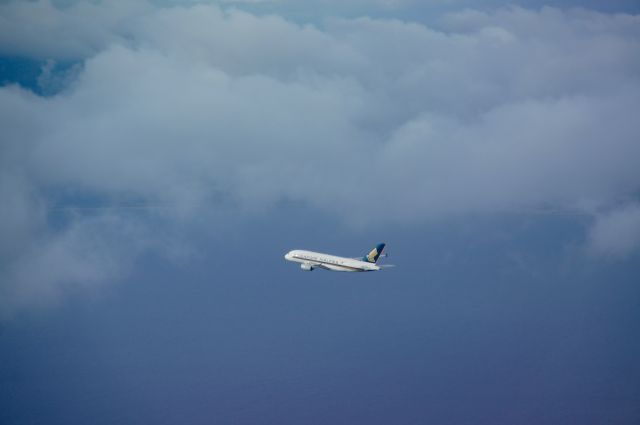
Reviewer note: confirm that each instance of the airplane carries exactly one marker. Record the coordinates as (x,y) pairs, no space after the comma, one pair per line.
(310,260)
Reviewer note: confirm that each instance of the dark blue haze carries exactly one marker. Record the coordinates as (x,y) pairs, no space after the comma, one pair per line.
(485,321)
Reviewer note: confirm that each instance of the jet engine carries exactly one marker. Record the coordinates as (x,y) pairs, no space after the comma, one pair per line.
(306,267)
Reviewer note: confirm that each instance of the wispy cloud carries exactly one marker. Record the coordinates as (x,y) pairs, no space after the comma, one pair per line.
(616,234)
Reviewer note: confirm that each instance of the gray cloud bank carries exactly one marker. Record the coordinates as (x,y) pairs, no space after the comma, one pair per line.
(198,107)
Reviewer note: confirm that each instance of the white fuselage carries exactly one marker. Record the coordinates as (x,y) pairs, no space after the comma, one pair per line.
(329,262)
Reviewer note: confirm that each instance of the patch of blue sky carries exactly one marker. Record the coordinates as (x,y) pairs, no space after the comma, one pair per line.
(42,77)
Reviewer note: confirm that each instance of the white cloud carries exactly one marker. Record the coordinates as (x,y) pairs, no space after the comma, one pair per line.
(40,30)
(197,107)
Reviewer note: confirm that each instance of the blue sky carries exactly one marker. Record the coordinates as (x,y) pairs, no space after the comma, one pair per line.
(159,158)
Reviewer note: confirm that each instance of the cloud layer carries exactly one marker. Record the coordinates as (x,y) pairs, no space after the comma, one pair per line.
(197,108)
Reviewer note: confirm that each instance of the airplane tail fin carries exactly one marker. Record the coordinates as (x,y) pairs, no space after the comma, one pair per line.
(373,256)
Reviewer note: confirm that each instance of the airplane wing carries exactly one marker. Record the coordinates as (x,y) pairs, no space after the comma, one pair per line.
(316,265)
